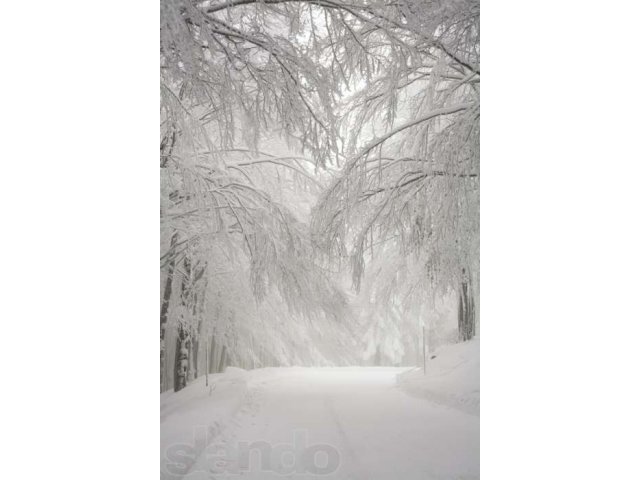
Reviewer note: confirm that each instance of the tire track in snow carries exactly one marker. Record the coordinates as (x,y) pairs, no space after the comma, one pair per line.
(357,473)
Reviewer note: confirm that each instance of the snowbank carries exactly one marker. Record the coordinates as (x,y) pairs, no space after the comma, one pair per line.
(452,378)
(197,414)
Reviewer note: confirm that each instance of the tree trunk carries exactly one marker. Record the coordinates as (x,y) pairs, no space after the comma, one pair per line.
(181,367)
(164,311)
(183,340)
(212,355)
(466,312)
(198,312)
(223,358)
(206,360)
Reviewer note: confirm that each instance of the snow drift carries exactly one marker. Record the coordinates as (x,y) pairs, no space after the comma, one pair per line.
(198,411)
(452,377)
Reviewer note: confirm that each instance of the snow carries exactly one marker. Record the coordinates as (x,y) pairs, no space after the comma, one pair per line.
(452,378)
(359,421)
(198,408)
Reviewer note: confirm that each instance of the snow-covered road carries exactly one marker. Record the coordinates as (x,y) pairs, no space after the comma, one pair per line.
(339,423)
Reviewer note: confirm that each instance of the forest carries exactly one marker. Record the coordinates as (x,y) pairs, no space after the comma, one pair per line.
(320,182)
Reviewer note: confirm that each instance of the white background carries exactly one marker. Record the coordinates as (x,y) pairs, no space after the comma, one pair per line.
(79,205)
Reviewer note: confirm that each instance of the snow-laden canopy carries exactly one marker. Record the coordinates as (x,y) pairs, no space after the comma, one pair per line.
(303,142)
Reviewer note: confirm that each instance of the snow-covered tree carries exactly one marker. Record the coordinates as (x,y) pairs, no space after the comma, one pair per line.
(266,105)
(231,84)
(411,129)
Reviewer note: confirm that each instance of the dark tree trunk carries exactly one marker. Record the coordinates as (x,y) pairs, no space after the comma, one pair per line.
(198,312)
(461,314)
(183,340)
(167,145)
(466,311)
(181,367)
(164,311)
(196,346)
